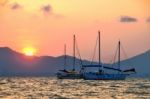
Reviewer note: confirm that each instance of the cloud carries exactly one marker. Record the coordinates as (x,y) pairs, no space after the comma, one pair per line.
(128,19)
(46,9)
(3,2)
(15,6)
(148,20)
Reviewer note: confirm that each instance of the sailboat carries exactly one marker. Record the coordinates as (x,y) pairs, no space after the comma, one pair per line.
(65,57)
(69,74)
(102,74)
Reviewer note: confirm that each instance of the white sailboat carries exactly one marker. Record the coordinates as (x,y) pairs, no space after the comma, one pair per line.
(69,74)
(102,74)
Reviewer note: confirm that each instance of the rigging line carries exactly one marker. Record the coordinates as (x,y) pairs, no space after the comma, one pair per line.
(126,56)
(94,51)
(78,52)
(81,62)
(113,60)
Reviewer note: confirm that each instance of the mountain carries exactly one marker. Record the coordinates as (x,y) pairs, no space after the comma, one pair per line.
(140,62)
(13,63)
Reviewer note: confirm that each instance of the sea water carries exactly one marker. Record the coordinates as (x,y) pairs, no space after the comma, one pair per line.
(53,88)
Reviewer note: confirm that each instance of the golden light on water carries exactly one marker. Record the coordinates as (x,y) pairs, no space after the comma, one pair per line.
(29,51)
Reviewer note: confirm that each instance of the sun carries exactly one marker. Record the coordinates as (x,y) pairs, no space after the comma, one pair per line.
(29,51)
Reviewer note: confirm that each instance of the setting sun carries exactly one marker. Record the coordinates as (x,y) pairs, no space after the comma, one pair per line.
(29,51)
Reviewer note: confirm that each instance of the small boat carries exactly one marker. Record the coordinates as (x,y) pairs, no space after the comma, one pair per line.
(101,74)
(69,74)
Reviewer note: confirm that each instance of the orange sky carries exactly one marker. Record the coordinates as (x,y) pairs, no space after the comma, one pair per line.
(47,24)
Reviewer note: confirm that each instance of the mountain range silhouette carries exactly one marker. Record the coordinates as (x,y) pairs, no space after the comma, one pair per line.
(13,63)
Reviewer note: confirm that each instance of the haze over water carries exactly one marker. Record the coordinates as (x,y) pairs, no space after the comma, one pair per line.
(52,88)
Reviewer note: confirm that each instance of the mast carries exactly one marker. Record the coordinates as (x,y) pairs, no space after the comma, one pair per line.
(65,57)
(100,66)
(119,55)
(99,48)
(73,52)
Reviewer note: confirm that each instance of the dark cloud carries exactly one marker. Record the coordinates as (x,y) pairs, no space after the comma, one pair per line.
(46,9)
(15,6)
(128,19)
(148,20)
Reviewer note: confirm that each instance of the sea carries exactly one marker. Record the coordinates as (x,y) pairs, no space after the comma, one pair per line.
(53,88)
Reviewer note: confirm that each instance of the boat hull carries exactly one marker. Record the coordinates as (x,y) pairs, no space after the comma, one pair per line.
(98,76)
(69,76)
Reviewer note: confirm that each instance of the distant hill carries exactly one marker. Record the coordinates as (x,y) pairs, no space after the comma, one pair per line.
(140,62)
(13,63)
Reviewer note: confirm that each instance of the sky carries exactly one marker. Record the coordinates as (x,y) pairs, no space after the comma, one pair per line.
(47,25)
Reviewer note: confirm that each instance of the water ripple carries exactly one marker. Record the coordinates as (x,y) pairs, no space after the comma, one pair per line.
(52,88)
